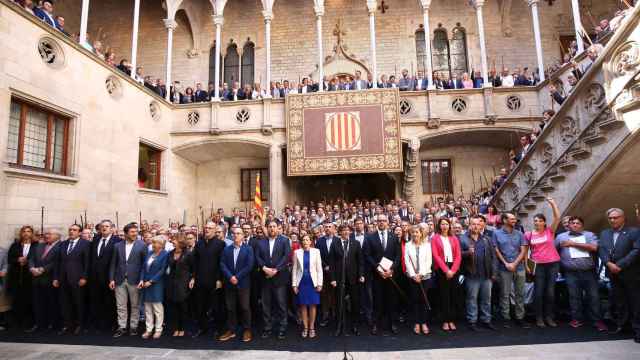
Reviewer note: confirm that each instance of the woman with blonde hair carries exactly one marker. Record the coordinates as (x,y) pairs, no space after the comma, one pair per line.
(153,272)
(417,259)
(307,283)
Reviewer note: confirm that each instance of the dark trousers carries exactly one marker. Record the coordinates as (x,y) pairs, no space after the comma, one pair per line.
(208,298)
(22,306)
(544,291)
(384,301)
(447,289)
(72,300)
(626,293)
(327,296)
(418,304)
(366,299)
(235,297)
(256,291)
(102,306)
(45,305)
(178,311)
(348,306)
(583,283)
(274,298)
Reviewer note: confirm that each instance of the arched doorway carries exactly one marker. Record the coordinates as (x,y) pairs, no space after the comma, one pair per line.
(347,187)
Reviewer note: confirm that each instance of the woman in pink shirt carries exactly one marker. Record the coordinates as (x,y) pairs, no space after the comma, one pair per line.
(445,250)
(467,83)
(547,264)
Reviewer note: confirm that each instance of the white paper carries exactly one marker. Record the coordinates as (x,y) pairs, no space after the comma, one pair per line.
(385,264)
(575,252)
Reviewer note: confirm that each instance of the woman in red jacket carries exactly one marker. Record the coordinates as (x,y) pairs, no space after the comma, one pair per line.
(445,249)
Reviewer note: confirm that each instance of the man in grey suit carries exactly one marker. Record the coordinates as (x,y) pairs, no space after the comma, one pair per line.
(359,83)
(406,82)
(42,264)
(125,277)
(619,251)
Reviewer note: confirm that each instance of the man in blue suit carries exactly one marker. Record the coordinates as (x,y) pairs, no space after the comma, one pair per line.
(71,277)
(273,257)
(125,277)
(420,83)
(454,82)
(45,13)
(328,294)
(236,265)
(619,251)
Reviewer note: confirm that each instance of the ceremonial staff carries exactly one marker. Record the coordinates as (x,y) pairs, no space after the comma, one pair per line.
(42,221)
(85,217)
(140,215)
(117,221)
(424,293)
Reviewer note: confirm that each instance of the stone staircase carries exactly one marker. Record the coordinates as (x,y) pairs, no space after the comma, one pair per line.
(595,122)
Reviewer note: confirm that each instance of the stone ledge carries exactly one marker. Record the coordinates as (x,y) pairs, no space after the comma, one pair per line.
(153,192)
(16,172)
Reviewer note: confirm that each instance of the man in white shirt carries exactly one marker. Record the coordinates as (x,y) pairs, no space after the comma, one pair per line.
(507,79)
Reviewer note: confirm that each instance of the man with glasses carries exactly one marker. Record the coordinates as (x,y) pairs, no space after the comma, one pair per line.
(71,277)
(620,253)
(379,245)
(577,248)
(511,250)
(207,277)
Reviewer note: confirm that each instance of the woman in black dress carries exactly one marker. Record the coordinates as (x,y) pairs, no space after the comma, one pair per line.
(178,285)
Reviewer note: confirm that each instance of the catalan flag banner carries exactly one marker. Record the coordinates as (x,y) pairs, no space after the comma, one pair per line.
(343,133)
(258,198)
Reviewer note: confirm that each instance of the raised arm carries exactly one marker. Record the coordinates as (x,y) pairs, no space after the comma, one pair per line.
(556,214)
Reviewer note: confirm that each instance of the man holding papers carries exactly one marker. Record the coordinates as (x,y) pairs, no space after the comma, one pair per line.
(577,249)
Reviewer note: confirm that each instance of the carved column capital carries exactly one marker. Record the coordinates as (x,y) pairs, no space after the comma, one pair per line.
(425,4)
(170,24)
(477,3)
(532,2)
(218,20)
(268,15)
(372,6)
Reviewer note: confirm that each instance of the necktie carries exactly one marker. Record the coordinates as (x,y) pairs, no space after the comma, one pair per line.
(46,251)
(383,237)
(70,248)
(101,247)
(418,260)
(345,247)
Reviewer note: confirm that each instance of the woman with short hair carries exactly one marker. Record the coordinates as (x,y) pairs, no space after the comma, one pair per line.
(153,270)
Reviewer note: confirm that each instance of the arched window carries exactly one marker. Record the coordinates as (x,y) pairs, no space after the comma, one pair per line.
(212,64)
(231,64)
(421,49)
(440,52)
(248,63)
(458,50)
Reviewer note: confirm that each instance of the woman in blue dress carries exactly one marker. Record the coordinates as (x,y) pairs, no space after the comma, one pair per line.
(307,284)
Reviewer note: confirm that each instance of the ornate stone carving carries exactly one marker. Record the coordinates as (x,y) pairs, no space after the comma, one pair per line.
(243,115)
(490,119)
(193,117)
(568,130)
(410,173)
(626,58)
(515,193)
(405,106)
(594,100)
(51,52)
(433,123)
(113,86)
(546,154)
(514,103)
(154,110)
(459,105)
(529,175)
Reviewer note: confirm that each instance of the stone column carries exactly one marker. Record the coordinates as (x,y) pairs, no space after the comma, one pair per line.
(134,38)
(268,16)
(84,19)
(577,24)
(426,4)
(319,10)
(217,20)
(171,25)
(275,176)
(371,7)
(411,172)
(477,4)
(533,4)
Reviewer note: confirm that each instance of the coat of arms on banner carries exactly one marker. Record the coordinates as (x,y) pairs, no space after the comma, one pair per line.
(342,131)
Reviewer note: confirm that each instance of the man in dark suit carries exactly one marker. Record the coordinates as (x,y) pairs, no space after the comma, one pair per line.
(254,237)
(103,300)
(383,244)
(273,257)
(200,94)
(454,82)
(236,265)
(208,277)
(45,13)
(420,83)
(347,273)
(406,82)
(328,294)
(71,277)
(125,277)
(619,251)
(235,93)
(43,261)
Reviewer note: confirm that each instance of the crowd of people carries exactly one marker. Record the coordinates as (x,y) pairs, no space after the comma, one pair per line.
(344,264)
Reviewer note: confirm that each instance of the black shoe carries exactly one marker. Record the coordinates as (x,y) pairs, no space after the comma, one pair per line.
(198,333)
(394,330)
(120,332)
(523,324)
(324,322)
(489,326)
(77,331)
(473,327)
(133,332)
(65,330)
(637,339)
(266,334)
(385,333)
(618,330)
(355,331)
(401,319)
(506,324)
(281,335)
(337,333)
(374,330)
(32,329)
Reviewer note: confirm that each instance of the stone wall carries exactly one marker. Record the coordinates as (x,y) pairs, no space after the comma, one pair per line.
(294,50)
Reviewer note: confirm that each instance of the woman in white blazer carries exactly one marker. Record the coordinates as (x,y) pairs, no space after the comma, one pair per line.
(417,259)
(307,283)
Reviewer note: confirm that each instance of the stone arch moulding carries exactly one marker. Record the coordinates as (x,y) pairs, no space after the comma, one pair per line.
(341,62)
(194,21)
(429,134)
(265,144)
